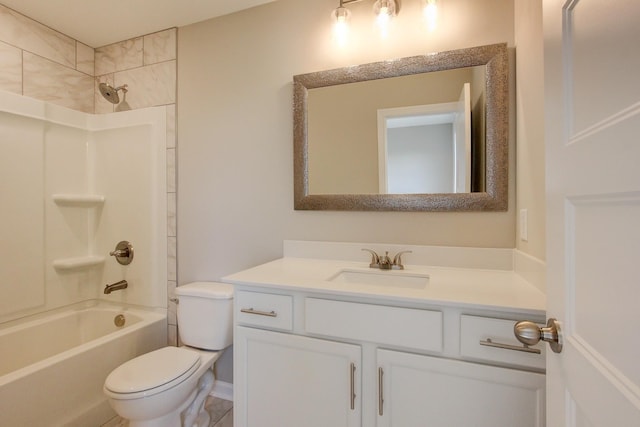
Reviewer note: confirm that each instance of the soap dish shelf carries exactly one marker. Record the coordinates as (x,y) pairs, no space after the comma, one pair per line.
(77,263)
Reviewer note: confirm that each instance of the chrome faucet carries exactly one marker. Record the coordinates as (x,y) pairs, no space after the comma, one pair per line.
(122,284)
(383,262)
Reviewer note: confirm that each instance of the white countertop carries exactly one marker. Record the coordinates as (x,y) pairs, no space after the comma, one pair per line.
(459,287)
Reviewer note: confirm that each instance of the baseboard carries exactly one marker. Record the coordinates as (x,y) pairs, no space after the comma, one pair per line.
(222,390)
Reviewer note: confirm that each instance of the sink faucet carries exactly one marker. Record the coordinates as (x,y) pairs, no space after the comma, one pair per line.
(383,262)
(122,284)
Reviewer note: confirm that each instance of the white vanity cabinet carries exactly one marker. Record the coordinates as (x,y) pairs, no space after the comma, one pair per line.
(417,390)
(291,380)
(310,359)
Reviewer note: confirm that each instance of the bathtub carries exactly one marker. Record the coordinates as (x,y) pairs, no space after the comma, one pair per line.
(52,367)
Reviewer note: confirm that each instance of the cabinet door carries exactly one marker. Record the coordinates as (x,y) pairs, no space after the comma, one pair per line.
(427,391)
(284,380)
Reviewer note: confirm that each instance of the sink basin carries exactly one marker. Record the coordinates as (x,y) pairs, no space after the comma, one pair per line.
(395,278)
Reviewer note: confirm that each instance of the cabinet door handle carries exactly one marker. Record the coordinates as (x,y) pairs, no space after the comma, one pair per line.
(352,385)
(380,396)
(258,312)
(524,348)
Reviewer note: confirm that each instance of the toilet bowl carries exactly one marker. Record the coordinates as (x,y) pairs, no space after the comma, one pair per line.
(168,387)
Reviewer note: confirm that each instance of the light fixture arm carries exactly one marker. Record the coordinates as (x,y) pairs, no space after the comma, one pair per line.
(347,2)
(343,2)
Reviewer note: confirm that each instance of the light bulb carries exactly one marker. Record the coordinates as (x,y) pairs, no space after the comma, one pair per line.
(384,10)
(341,17)
(430,13)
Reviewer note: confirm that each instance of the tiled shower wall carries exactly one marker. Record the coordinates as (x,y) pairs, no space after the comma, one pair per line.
(39,62)
(147,65)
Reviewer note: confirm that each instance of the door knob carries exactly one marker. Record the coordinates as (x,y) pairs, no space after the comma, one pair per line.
(529,333)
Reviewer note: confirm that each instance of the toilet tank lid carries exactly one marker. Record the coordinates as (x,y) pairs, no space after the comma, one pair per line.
(213,290)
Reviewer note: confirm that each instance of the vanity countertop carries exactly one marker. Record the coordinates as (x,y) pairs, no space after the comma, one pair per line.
(459,287)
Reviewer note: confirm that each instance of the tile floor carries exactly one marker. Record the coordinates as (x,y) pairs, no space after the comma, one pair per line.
(220,411)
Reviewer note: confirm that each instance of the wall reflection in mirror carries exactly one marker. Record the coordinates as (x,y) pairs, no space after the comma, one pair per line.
(408,134)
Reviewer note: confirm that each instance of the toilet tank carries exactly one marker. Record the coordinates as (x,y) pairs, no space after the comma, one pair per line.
(205,315)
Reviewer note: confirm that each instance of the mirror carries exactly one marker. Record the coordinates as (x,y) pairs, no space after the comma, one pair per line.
(344,154)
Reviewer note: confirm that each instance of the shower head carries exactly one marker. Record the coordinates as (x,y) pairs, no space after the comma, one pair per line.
(111,94)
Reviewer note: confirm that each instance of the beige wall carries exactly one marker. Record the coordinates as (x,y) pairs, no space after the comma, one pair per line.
(235,159)
(235,166)
(530,118)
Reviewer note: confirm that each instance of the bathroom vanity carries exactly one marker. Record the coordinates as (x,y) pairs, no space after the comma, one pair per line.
(332,342)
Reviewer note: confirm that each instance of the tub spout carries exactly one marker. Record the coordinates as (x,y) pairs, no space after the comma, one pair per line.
(122,284)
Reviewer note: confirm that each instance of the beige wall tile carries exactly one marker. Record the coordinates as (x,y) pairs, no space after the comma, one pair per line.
(49,81)
(171,258)
(119,56)
(172,307)
(27,34)
(171,126)
(171,214)
(149,86)
(11,69)
(160,47)
(85,59)
(171,170)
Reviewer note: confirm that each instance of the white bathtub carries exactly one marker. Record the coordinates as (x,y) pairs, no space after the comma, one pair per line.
(52,368)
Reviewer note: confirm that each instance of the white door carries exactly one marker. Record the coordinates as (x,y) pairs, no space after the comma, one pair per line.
(592,121)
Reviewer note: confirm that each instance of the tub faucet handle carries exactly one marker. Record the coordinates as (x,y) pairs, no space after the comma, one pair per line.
(123,252)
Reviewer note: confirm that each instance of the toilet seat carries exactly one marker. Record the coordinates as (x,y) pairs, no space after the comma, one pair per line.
(152,373)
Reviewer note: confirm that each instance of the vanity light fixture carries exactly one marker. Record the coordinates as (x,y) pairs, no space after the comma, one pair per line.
(341,17)
(384,10)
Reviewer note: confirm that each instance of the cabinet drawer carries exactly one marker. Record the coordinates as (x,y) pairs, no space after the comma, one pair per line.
(493,332)
(265,310)
(404,327)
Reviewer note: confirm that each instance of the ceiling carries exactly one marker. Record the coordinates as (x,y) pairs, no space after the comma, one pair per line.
(101,22)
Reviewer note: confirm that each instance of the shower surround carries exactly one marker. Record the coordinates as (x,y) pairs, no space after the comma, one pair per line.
(75,184)
(41,63)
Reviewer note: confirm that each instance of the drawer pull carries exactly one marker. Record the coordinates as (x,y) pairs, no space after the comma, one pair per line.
(259,313)
(524,348)
(352,385)
(380,396)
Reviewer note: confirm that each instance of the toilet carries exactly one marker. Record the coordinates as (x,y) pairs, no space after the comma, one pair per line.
(168,387)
